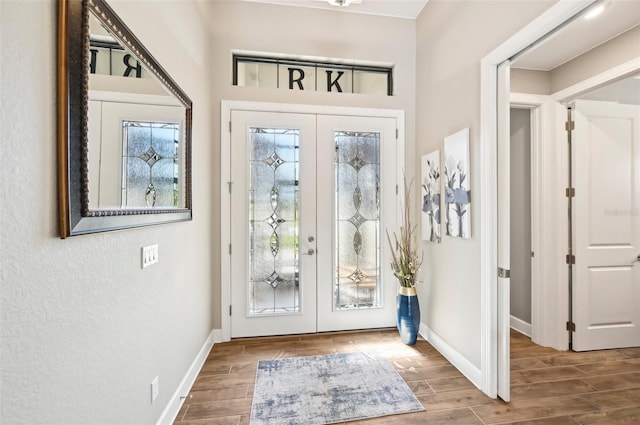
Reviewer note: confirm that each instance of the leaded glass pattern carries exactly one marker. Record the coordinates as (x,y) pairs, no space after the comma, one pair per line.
(357,247)
(273,221)
(150,164)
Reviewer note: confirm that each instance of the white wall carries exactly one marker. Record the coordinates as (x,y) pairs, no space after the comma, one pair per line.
(322,33)
(530,82)
(617,51)
(84,328)
(520,214)
(452,38)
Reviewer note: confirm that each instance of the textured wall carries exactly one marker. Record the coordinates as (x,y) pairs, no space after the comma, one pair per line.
(84,328)
(452,38)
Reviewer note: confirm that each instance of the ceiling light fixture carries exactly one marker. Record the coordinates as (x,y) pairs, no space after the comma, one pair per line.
(343,3)
(595,12)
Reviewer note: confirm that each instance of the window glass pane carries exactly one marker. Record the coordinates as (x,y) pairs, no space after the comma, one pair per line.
(357,174)
(150,169)
(370,82)
(256,74)
(335,80)
(273,221)
(297,77)
(323,75)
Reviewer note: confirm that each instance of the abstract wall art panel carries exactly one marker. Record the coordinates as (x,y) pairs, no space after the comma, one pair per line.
(457,185)
(431,197)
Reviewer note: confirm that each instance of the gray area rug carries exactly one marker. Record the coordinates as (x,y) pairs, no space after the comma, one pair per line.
(328,389)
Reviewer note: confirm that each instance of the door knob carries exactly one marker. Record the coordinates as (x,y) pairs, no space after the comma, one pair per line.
(310,251)
(637,259)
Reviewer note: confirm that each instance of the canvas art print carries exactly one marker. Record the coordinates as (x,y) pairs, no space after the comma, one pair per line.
(457,185)
(431,197)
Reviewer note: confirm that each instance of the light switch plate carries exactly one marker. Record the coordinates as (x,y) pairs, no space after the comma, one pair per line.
(149,255)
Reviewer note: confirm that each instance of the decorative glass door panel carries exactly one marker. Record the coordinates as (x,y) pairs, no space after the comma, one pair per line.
(273,221)
(150,164)
(357,187)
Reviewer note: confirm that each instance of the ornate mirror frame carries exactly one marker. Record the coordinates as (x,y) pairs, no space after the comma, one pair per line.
(75,215)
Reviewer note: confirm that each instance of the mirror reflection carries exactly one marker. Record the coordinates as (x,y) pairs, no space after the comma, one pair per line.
(136,131)
(124,127)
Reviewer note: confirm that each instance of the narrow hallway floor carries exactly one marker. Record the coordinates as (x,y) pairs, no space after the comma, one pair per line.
(548,387)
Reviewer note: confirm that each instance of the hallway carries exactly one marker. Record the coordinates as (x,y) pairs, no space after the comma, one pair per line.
(548,387)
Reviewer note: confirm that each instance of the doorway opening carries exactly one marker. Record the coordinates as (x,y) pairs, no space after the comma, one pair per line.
(310,191)
(494,103)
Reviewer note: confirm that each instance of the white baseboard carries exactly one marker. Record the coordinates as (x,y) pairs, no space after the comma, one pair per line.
(520,326)
(217,335)
(175,403)
(459,361)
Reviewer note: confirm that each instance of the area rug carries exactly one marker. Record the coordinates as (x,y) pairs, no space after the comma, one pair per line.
(328,389)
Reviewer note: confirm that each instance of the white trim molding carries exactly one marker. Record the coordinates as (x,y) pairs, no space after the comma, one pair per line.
(459,361)
(172,409)
(547,210)
(521,326)
(621,71)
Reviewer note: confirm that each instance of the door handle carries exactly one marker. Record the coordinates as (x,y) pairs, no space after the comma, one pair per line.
(310,251)
(637,260)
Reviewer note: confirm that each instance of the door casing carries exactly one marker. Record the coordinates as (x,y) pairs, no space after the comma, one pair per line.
(551,19)
(225,174)
(554,17)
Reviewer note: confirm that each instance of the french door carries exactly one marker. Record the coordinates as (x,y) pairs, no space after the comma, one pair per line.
(311,198)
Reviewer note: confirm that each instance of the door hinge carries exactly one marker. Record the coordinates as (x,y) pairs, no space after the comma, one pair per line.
(504,273)
(571,326)
(229,249)
(397,134)
(570,192)
(396,189)
(229,126)
(570,125)
(229,309)
(229,184)
(571,259)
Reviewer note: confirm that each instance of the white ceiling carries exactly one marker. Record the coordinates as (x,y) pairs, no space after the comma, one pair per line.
(582,35)
(575,39)
(409,9)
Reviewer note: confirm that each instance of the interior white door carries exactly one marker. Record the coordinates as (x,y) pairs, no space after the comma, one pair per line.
(311,198)
(606,217)
(273,208)
(504,233)
(357,201)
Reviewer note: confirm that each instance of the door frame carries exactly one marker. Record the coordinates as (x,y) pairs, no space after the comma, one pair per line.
(553,18)
(546,241)
(226,107)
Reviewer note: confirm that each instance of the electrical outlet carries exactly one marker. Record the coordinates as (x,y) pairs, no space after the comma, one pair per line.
(155,389)
(149,255)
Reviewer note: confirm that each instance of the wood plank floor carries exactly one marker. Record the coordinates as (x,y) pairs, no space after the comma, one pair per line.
(548,387)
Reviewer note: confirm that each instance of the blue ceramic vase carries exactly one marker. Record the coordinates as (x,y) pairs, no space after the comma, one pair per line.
(408,315)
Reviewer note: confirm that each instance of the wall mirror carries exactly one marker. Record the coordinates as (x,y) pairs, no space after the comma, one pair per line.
(124,127)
